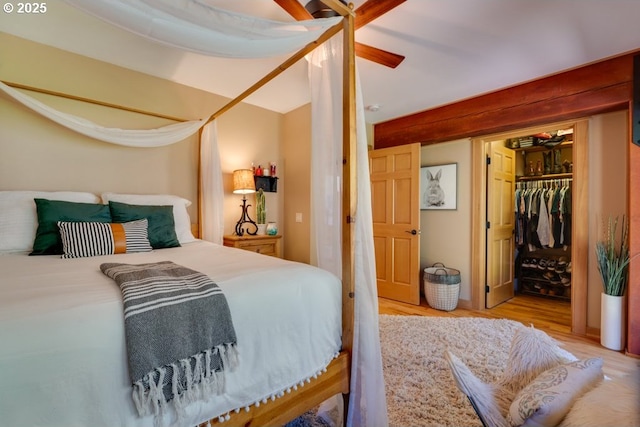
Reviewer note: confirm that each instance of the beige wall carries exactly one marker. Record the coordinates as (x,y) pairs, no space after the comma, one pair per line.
(446,235)
(250,134)
(38,154)
(296,148)
(608,179)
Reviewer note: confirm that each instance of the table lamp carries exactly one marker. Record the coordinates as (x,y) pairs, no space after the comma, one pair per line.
(244,184)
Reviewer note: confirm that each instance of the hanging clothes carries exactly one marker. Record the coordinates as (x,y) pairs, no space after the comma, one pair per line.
(544,227)
(543,213)
(566,217)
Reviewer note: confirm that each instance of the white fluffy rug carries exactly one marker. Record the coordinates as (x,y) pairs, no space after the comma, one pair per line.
(419,386)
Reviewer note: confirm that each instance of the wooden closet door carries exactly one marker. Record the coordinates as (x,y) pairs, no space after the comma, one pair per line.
(395,198)
(500,215)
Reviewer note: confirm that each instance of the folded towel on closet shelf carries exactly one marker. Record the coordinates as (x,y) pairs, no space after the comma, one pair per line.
(179,333)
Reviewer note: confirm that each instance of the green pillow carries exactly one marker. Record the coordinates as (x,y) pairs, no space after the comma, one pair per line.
(47,241)
(162,227)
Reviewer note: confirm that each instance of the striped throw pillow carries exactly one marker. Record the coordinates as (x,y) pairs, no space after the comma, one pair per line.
(86,239)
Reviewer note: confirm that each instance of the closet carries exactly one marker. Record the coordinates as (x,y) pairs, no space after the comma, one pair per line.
(543,213)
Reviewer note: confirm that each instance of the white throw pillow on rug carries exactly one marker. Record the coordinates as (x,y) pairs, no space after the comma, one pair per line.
(546,400)
(531,353)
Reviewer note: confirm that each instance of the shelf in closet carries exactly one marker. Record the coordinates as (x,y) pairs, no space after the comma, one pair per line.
(534,148)
(545,177)
(538,294)
(532,280)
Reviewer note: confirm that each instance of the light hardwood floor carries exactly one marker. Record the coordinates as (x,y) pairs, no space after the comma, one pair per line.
(551,316)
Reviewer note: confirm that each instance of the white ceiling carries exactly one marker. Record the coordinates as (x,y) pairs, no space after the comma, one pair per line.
(454,49)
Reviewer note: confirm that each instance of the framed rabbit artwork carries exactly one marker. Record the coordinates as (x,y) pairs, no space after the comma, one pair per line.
(438,187)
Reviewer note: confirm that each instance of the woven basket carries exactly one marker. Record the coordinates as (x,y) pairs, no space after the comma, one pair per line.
(442,287)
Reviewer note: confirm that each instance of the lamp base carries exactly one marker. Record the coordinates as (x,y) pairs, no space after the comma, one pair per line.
(251,228)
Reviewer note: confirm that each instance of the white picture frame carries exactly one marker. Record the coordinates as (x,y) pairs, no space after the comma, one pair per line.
(439,187)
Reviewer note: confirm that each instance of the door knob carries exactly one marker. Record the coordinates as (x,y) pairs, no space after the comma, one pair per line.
(414,232)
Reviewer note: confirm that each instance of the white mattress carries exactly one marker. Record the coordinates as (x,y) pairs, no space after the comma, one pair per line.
(62,346)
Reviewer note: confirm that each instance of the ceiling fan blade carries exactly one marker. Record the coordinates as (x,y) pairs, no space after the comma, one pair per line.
(295,9)
(380,56)
(369,11)
(372,9)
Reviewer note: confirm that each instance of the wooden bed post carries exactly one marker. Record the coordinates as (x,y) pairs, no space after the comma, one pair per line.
(349,185)
(200,198)
(349,190)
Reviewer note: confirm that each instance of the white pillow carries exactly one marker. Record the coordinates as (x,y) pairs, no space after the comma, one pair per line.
(532,352)
(19,219)
(546,400)
(180,214)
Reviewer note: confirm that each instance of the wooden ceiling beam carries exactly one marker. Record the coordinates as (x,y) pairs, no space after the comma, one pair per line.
(600,87)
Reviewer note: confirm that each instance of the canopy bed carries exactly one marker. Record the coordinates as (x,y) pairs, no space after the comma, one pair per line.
(44,300)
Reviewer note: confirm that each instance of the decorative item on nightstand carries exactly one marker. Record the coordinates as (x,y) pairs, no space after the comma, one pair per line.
(261,212)
(272,229)
(244,184)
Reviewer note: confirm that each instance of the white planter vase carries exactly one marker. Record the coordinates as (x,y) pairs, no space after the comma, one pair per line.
(613,321)
(262,229)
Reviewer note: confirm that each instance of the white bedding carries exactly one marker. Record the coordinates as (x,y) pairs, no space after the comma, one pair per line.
(62,346)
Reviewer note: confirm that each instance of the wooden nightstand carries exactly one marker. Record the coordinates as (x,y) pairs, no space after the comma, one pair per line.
(262,244)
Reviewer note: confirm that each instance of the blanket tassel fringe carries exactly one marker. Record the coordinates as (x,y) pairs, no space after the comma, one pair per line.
(201,383)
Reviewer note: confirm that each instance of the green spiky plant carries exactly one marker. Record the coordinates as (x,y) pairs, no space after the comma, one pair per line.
(613,258)
(261,210)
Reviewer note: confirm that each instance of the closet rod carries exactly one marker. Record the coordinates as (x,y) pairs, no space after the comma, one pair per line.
(93,101)
(537,182)
(565,178)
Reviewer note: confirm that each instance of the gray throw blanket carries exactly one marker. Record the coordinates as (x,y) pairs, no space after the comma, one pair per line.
(179,334)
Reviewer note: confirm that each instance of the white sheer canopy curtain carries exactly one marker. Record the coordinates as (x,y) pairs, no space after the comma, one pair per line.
(367,401)
(197,26)
(142,138)
(211,185)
